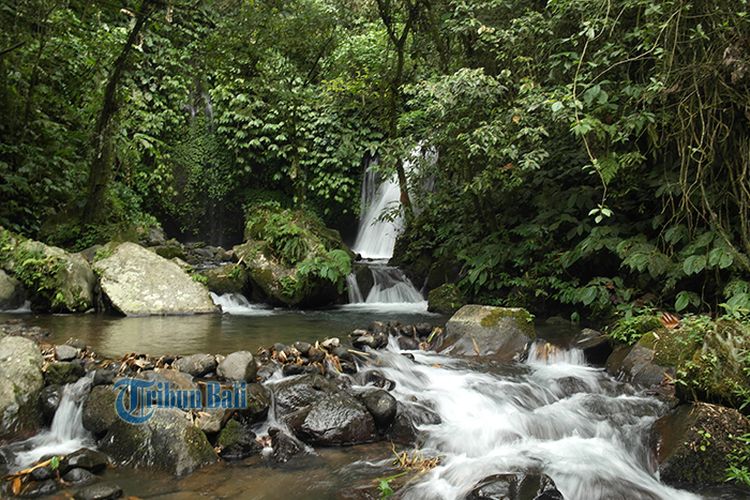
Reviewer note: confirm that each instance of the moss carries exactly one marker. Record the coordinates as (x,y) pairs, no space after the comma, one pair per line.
(497,314)
(445,299)
(229,278)
(231,434)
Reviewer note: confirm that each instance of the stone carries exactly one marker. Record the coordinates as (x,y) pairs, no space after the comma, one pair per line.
(445,299)
(694,441)
(12,294)
(21,382)
(381,405)
(99,409)
(228,278)
(99,492)
(65,353)
(210,421)
(331,343)
(196,365)
(335,420)
(79,477)
(168,441)
(104,376)
(500,333)
(408,344)
(237,441)
(41,488)
(138,282)
(239,365)
(41,473)
(49,400)
(635,364)
(91,460)
(302,347)
(516,486)
(62,373)
(284,447)
(595,345)
(423,329)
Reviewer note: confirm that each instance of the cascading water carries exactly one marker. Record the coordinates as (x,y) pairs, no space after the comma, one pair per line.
(237,304)
(66,434)
(552,414)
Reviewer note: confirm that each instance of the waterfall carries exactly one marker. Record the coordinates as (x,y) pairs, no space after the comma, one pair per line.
(553,414)
(237,304)
(352,287)
(66,434)
(377,237)
(391,290)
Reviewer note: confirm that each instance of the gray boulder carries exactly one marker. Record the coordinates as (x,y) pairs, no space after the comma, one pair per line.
(501,333)
(99,409)
(12,294)
(168,441)
(21,382)
(239,365)
(139,282)
(196,365)
(337,419)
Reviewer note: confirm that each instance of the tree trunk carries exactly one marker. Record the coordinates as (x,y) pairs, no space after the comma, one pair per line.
(100,170)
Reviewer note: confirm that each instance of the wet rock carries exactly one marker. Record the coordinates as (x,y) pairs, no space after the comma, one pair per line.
(335,420)
(316,354)
(636,365)
(302,347)
(331,343)
(377,379)
(237,441)
(104,376)
(595,345)
(258,403)
(91,460)
(12,294)
(371,340)
(99,492)
(298,393)
(693,443)
(41,488)
(423,329)
(168,441)
(99,409)
(503,334)
(404,430)
(196,365)
(515,486)
(62,373)
(408,344)
(21,381)
(343,353)
(289,369)
(41,474)
(210,421)
(381,405)
(49,400)
(139,282)
(65,353)
(284,446)
(239,365)
(79,477)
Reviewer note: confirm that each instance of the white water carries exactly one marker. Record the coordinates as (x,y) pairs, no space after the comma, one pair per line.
(376,238)
(238,305)
(554,414)
(66,434)
(392,290)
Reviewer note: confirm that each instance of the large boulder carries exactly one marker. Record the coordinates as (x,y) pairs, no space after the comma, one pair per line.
(227,278)
(292,258)
(12,294)
(501,333)
(138,282)
(168,441)
(54,279)
(21,382)
(694,442)
(335,420)
(516,486)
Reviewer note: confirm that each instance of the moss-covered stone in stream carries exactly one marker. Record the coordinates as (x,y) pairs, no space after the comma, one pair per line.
(231,434)
(229,278)
(445,299)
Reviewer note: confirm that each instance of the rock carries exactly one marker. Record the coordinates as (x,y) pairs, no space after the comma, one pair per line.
(62,373)
(91,460)
(377,379)
(503,334)
(99,409)
(335,420)
(316,354)
(239,365)
(404,430)
(693,443)
(381,405)
(21,382)
(138,282)
(331,343)
(104,376)
(65,353)
(151,236)
(408,344)
(175,378)
(237,442)
(170,249)
(274,269)
(258,403)
(371,340)
(99,492)
(40,489)
(41,473)
(210,421)
(595,345)
(168,441)
(49,400)
(302,347)
(12,294)
(423,329)
(445,299)
(297,393)
(196,365)
(516,486)
(284,447)
(636,365)
(79,477)
(55,280)
(229,278)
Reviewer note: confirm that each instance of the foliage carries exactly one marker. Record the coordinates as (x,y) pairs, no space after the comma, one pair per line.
(739,461)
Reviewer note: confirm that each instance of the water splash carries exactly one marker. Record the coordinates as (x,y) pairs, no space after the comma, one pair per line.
(238,305)
(391,290)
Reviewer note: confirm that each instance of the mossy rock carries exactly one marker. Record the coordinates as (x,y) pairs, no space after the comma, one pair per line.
(55,280)
(445,299)
(170,250)
(63,373)
(229,278)
(21,381)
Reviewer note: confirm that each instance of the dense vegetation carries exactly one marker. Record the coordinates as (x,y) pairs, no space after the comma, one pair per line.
(577,156)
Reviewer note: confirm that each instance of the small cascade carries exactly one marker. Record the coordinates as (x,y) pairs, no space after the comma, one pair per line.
(66,434)
(390,285)
(352,288)
(238,305)
(376,237)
